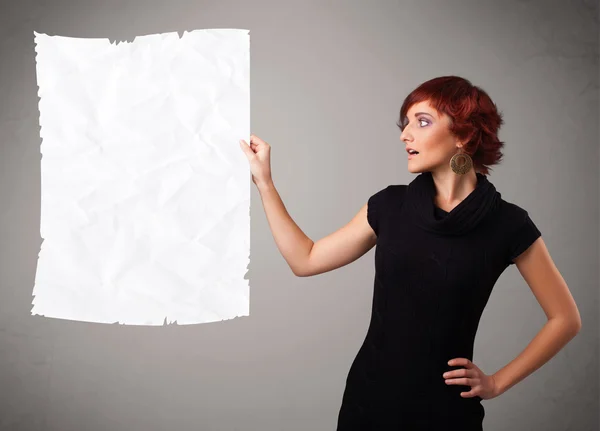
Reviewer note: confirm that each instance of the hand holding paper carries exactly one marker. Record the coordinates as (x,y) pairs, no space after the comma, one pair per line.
(259,156)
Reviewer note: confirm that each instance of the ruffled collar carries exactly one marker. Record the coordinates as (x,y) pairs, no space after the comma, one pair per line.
(464,217)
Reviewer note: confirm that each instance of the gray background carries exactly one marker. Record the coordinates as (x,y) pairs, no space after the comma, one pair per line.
(327,82)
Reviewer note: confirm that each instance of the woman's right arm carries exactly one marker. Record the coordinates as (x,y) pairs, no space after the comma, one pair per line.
(305,257)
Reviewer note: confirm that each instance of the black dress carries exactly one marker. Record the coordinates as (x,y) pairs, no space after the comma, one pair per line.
(434,273)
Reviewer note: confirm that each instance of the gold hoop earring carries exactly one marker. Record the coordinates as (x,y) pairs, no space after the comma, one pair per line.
(463,168)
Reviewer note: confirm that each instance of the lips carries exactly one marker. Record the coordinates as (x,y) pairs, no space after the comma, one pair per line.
(411,153)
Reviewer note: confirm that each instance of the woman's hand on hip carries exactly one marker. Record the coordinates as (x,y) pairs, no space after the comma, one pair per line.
(482,385)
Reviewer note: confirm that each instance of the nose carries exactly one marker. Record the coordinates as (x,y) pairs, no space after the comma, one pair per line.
(404,136)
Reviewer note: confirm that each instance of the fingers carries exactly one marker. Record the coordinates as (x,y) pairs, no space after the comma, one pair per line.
(469,394)
(463,372)
(246,149)
(464,376)
(460,361)
(256,140)
(465,381)
(467,376)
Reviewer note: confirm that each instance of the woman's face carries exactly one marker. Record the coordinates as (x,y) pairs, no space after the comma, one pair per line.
(427,131)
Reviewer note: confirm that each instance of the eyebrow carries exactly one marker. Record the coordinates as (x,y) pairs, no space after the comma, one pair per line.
(423,113)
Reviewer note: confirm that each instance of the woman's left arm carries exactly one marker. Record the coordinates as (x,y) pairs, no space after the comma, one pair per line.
(564,322)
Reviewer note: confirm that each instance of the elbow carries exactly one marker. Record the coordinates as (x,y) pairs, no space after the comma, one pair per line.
(572,321)
(574,325)
(298,272)
(569,325)
(577,323)
(302,274)
(575,330)
(301,269)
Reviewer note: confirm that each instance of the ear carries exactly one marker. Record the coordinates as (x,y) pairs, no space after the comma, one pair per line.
(461,145)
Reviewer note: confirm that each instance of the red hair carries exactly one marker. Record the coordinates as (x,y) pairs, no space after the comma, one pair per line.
(474,117)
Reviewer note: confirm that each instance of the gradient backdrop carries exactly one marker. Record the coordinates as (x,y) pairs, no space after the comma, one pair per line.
(327,82)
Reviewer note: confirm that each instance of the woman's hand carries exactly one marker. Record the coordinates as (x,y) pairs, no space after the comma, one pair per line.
(481,384)
(259,156)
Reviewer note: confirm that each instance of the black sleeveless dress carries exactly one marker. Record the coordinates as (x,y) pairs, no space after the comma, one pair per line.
(434,273)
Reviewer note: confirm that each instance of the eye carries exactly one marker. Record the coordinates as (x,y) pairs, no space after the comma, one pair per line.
(402,126)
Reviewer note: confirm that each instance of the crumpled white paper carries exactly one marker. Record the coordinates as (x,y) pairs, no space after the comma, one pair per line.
(145,208)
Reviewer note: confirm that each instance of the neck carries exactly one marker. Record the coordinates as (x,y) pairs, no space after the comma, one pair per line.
(452,188)
(478,198)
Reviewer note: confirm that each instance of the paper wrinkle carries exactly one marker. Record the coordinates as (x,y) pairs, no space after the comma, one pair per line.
(145,208)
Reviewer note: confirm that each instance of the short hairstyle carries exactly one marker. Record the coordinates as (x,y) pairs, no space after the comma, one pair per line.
(474,117)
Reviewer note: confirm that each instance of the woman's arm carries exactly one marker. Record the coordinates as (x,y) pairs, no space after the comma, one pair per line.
(305,257)
(564,322)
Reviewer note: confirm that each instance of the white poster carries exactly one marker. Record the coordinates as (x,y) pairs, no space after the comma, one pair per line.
(145,194)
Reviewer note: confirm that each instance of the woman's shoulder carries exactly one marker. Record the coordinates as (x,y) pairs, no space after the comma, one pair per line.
(511,212)
(392,189)
(383,204)
(515,218)
(391,193)
(518,229)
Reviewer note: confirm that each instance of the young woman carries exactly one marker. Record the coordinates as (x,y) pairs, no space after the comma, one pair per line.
(442,242)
